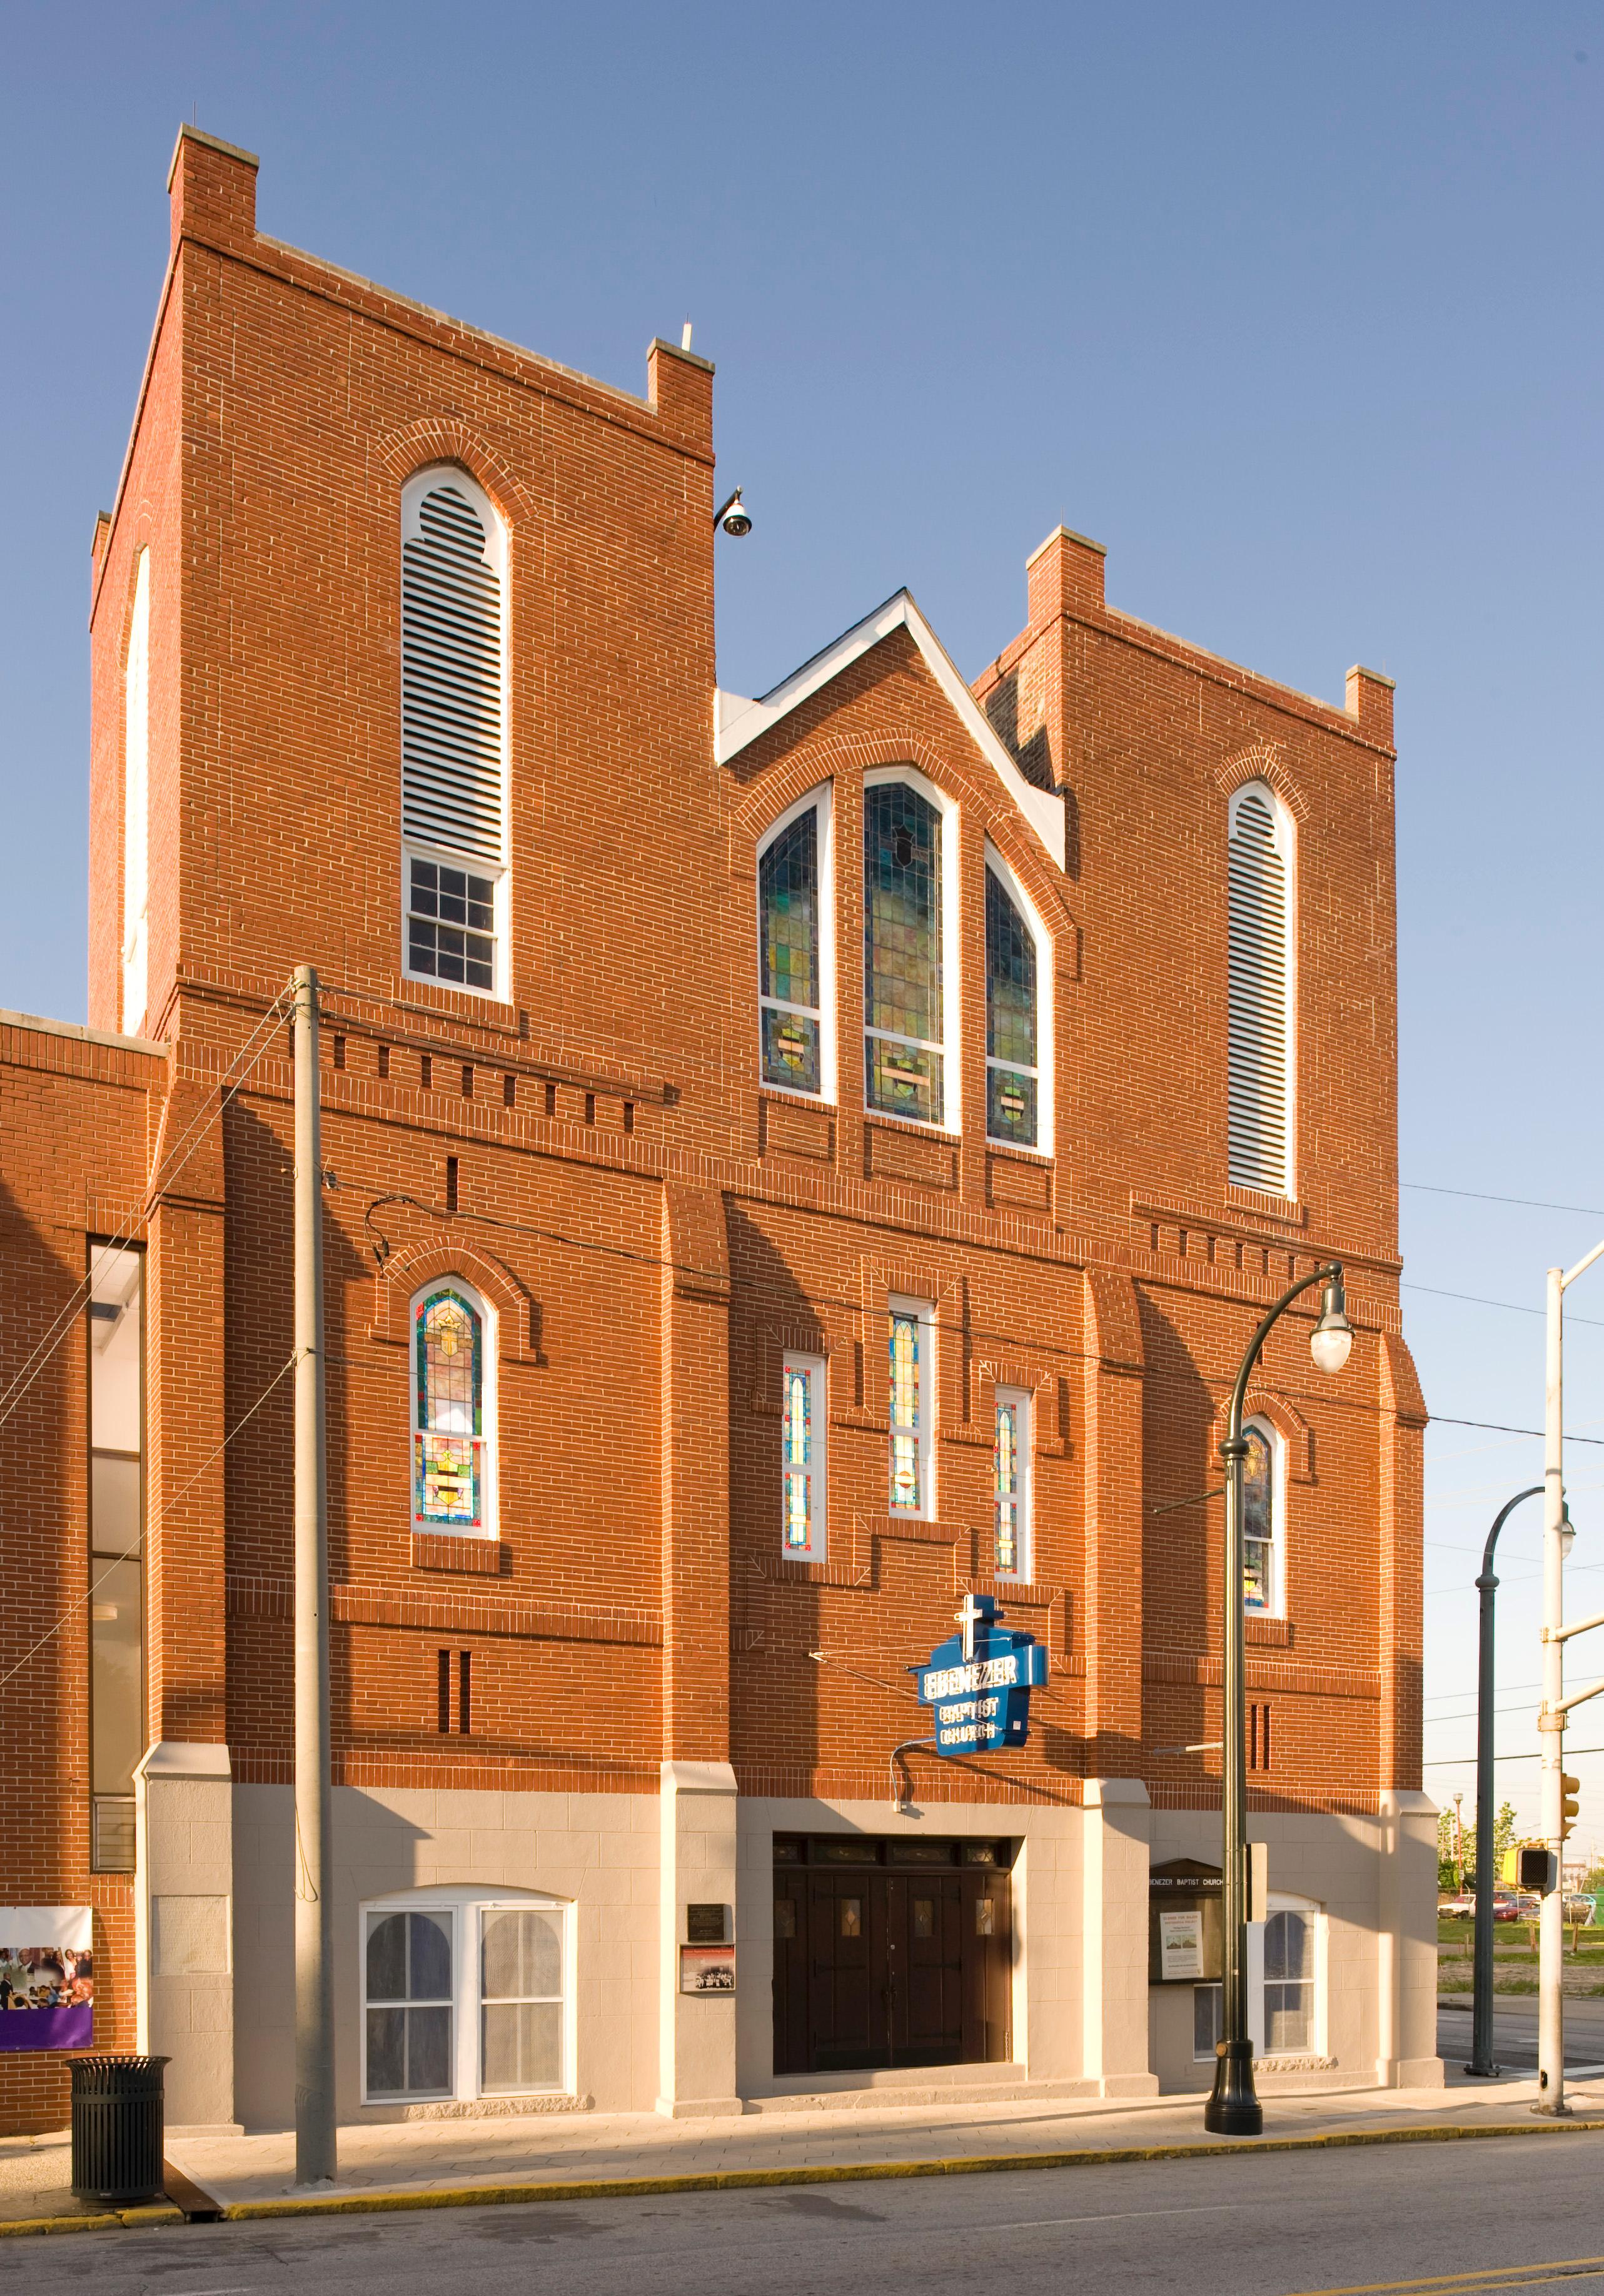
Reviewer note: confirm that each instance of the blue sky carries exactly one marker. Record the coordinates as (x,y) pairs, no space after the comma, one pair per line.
(1297,310)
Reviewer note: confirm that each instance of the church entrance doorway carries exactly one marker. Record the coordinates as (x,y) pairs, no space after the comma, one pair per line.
(888,1953)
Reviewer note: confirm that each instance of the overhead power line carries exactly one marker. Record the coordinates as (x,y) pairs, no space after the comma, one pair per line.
(1480,1196)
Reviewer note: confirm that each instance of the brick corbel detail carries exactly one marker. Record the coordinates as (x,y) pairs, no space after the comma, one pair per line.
(408,1270)
(1116,1365)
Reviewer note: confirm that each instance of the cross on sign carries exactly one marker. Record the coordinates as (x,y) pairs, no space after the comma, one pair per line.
(969,1618)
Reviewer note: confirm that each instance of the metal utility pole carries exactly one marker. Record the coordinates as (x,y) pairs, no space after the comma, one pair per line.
(1556,1705)
(1487,1586)
(314,2141)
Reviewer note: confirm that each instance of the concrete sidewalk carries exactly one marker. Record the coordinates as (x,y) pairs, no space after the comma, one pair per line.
(421,2162)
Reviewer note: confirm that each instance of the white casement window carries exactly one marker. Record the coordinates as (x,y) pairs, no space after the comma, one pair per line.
(136,805)
(1264,1521)
(1011,1484)
(466,1993)
(803,1422)
(454,733)
(1286,1985)
(1261,989)
(453,1391)
(796,950)
(1018,1013)
(911,1339)
(910,919)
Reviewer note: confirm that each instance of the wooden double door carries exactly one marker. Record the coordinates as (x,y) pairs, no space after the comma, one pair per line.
(876,1969)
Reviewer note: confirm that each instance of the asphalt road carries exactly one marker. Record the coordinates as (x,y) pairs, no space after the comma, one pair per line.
(1515,2031)
(1498,2211)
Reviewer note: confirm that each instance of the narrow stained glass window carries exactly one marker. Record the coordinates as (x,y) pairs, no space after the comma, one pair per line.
(1011,1458)
(902,954)
(1011,1073)
(788,925)
(1259,1522)
(802,1456)
(907,1426)
(448,1472)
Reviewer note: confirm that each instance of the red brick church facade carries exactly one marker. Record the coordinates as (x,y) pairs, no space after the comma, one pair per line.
(797,1161)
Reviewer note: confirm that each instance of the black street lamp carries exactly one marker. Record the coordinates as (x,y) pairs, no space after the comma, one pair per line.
(1232,2109)
(1481,2024)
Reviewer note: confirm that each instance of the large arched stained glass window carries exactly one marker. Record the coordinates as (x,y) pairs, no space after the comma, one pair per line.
(1012,1072)
(903,1013)
(790,955)
(450,1465)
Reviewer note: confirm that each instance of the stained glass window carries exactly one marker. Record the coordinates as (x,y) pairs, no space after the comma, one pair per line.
(448,1440)
(1010,1469)
(802,1427)
(789,929)
(906,1413)
(1011,1075)
(901,953)
(1259,1522)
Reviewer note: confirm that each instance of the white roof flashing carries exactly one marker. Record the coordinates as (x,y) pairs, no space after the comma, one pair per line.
(739,722)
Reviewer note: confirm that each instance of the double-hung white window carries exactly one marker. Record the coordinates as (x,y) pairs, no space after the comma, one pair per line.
(466,1993)
(1011,1484)
(912,1398)
(803,1439)
(454,733)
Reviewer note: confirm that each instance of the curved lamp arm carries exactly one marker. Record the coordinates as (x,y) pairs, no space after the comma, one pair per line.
(1330,1272)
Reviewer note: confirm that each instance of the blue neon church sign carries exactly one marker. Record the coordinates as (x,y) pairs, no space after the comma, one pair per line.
(979,1682)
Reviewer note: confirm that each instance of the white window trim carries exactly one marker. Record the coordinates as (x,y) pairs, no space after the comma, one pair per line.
(1021,1399)
(465,1906)
(421,483)
(489,1528)
(924,1310)
(1282,1902)
(1286,846)
(818,1549)
(821,797)
(952,944)
(1044,1003)
(1313,1913)
(500,878)
(136,805)
(1276,1608)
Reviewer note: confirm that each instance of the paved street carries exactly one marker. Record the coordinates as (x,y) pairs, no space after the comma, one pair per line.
(1263,2226)
(1515,2032)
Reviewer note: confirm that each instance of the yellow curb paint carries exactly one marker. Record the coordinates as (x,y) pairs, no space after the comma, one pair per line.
(728,2181)
(59,2223)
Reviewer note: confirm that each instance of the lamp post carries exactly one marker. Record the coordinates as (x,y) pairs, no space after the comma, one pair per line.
(1481,2026)
(1233,2110)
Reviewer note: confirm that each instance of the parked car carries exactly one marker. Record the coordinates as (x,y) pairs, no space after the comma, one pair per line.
(1451,1910)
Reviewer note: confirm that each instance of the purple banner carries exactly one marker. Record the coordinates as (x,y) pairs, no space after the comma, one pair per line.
(72,2027)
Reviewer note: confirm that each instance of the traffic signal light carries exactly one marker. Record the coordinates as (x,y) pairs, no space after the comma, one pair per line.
(1569,1788)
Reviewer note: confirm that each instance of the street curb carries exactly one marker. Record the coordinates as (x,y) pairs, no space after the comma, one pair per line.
(850,2172)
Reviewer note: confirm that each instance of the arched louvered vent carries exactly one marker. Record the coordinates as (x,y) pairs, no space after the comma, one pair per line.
(451,680)
(1260,1106)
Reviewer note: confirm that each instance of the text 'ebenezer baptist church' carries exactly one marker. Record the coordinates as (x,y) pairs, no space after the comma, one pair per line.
(808,1168)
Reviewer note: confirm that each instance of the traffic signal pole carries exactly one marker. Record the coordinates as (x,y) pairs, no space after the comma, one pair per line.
(1556,1705)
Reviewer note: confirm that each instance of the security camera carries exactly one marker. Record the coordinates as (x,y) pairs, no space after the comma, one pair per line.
(734,516)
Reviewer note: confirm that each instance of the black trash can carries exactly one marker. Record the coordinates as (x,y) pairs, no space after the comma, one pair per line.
(117,2115)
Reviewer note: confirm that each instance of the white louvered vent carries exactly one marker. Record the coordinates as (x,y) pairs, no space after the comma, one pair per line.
(1260,1100)
(451,680)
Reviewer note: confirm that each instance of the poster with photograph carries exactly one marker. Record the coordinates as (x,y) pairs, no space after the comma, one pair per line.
(46,1977)
(1180,1942)
(706,1969)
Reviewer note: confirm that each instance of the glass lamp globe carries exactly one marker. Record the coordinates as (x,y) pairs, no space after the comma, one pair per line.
(1567,1536)
(1331,1340)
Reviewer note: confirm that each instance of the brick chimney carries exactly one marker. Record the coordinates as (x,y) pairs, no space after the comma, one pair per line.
(1065,575)
(1369,700)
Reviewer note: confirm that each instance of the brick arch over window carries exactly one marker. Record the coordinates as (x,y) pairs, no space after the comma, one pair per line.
(1262,762)
(1268,1404)
(442,439)
(411,1268)
(840,757)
